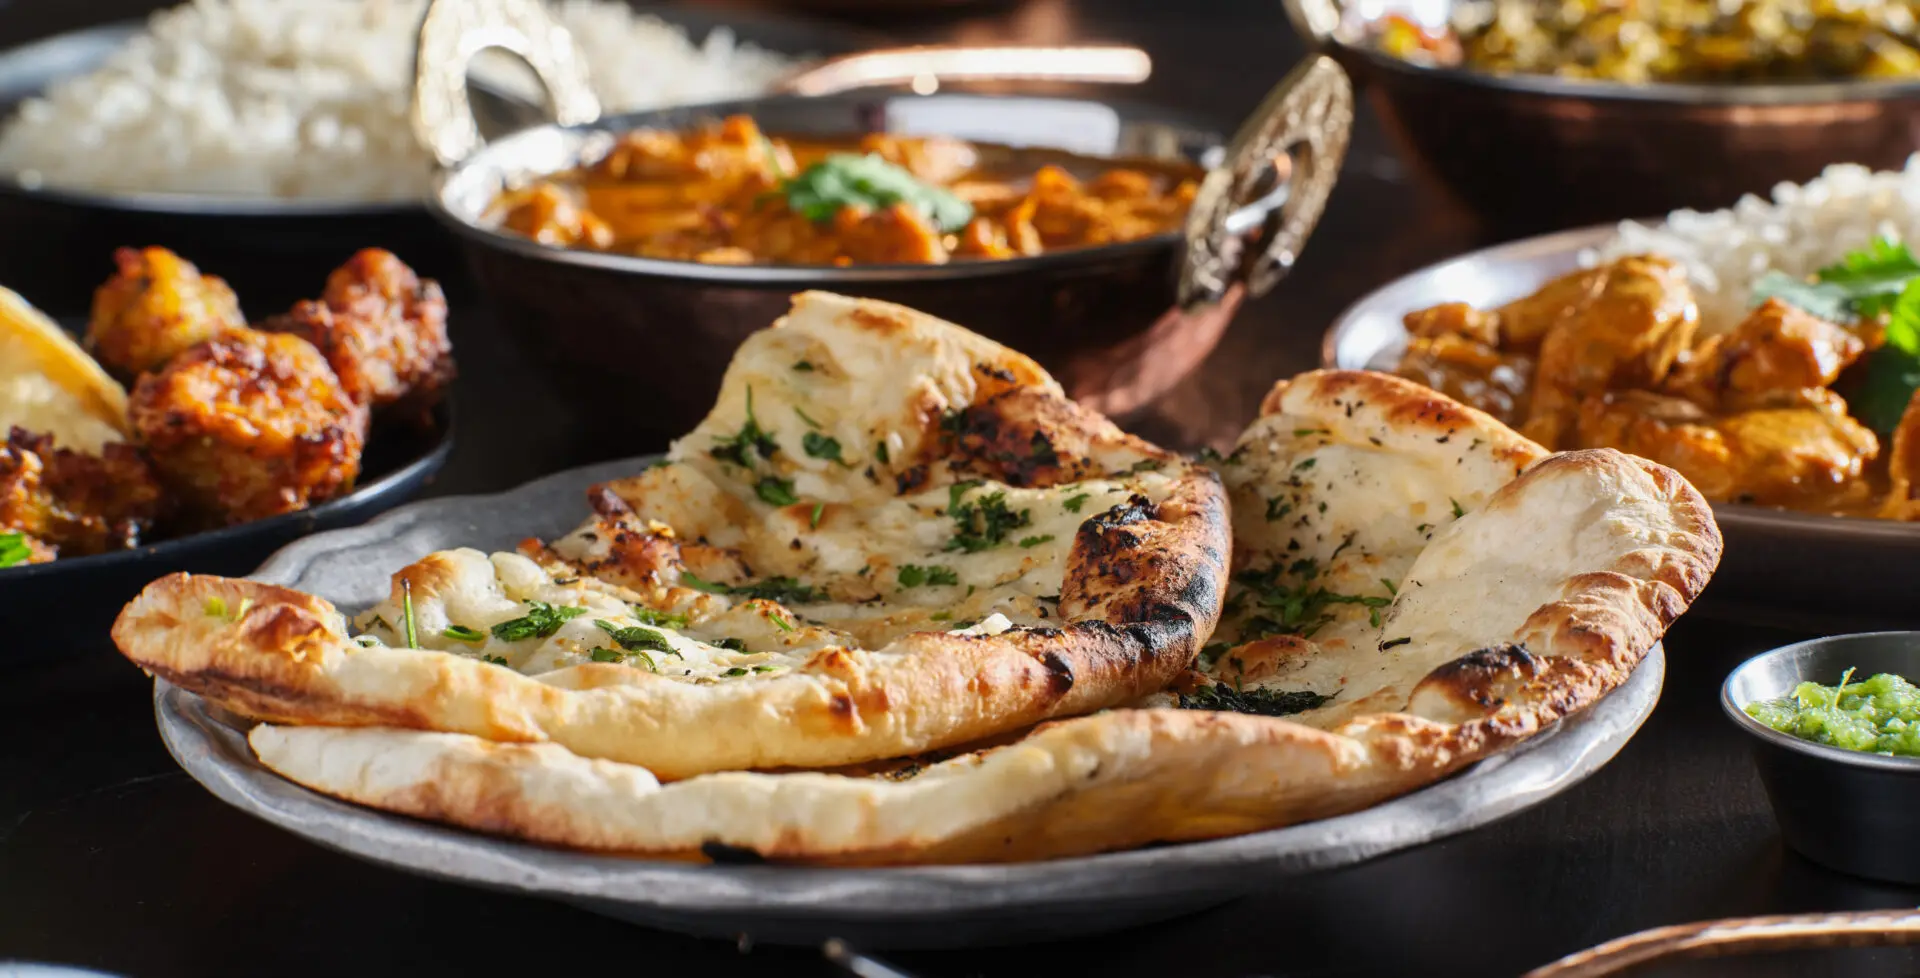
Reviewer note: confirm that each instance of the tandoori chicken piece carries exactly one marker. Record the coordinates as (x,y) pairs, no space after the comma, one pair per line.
(383,329)
(249,425)
(155,306)
(73,503)
(1777,348)
(1800,450)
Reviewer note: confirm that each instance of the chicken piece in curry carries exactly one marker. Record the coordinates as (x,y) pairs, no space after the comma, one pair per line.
(728,193)
(1611,357)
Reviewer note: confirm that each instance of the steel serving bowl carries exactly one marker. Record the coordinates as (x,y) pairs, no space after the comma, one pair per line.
(1784,567)
(1530,152)
(1844,809)
(643,342)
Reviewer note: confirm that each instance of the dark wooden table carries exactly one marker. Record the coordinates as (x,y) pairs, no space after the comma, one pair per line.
(111,858)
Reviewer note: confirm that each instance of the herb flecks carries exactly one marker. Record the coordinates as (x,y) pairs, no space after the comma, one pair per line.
(844,180)
(540,621)
(775,491)
(1259,702)
(14,549)
(983,523)
(914,575)
(781,589)
(1286,599)
(1074,502)
(461,633)
(740,447)
(817,445)
(636,638)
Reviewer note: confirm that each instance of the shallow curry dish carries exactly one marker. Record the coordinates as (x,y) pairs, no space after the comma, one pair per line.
(1116,324)
(1844,809)
(1795,568)
(1535,152)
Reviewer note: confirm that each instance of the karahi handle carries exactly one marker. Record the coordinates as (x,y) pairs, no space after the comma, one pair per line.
(453,32)
(1740,935)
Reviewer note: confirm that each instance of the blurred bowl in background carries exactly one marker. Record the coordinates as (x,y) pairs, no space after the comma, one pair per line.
(1533,152)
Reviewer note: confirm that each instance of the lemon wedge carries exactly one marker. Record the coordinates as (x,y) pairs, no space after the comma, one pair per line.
(49,384)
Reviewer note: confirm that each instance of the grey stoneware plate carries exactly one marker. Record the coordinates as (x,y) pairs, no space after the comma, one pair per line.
(1798,570)
(907,907)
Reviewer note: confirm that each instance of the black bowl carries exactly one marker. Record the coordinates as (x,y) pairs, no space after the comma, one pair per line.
(50,609)
(1844,809)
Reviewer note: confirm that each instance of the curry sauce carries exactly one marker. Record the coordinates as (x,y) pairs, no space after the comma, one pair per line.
(727,193)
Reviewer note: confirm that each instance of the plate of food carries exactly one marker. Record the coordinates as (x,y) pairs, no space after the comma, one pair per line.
(899,643)
(173,435)
(1766,351)
(233,128)
(1545,115)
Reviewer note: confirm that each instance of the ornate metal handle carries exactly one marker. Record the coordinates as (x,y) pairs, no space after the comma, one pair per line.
(453,31)
(927,67)
(1744,935)
(1316,21)
(1255,210)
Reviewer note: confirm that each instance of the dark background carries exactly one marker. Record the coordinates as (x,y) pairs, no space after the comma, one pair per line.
(111,858)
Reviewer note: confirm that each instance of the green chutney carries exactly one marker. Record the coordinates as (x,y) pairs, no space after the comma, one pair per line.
(1880,715)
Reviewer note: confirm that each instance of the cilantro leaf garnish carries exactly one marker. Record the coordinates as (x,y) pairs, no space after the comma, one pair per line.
(540,621)
(775,491)
(818,445)
(635,638)
(739,447)
(461,633)
(658,619)
(1031,542)
(845,180)
(914,575)
(1073,503)
(1299,606)
(982,523)
(1259,702)
(781,589)
(14,549)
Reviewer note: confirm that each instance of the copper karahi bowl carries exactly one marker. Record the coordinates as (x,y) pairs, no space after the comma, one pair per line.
(1531,152)
(643,342)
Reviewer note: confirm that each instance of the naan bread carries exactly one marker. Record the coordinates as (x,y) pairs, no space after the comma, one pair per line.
(890,536)
(1506,604)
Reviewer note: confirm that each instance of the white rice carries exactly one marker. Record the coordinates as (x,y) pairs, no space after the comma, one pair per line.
(309,98)
(1800,230)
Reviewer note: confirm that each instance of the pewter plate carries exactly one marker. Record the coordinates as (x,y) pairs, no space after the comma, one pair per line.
(1798,570)
(909,907)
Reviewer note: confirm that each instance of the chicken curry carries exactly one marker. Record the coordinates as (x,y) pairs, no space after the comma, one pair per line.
(726,193)
(1613,356)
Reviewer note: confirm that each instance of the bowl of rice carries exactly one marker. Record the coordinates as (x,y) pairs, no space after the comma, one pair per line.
(251,131)
(1801,569)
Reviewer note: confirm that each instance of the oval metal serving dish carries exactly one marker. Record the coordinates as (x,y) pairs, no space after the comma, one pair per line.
(1533,152)
(896,907)
(1845,809)
(643,342)
(1784,567)
(48,609)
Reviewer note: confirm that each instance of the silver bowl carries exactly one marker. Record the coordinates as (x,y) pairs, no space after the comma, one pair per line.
(1531,152)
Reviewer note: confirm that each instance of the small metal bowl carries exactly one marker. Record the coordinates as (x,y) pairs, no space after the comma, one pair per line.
(1533,152)
(1843,809)
(643,342)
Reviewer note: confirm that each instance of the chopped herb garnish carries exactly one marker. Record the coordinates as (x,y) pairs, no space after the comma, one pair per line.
(14,549)
(1389,586)
(1073,503)
(1029,543)
(730,644)
(781,589)
(848,180)
(1304,464)
(780,621)
(775,491)
(1304,432)
(1458,510)
(658,619)
(750,438)
(880,452)
(984,522)
(1390,643)
(461,633)
(406,609)
(494,659)
(602,654)
(1260,702)
(540,621)
(1299,608)
(1278,508)
(818,445)
(1147,465)
(735,671)
(809,422)
(766,668)
(635,638)
(804,367)
(1422,528)
(813,519)
(941,616)
(1212,653)
(913,575)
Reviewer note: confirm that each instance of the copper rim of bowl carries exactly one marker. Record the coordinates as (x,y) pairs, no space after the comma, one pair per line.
(1746,514)
(490,168)
(1678,93)
(1825,752)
